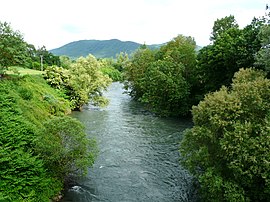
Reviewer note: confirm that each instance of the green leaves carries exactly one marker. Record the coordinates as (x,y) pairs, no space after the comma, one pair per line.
(12,46)
(163,79)
(228,147)
(82,82)
(87,81)
(65,148)
(232,49)
(25,103)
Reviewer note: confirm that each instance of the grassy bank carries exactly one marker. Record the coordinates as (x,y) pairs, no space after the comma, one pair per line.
(28,108)
(23,71)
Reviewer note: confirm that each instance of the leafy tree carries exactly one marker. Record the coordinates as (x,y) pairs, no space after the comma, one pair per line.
(167,92)
(263,55)
(135,71)
(222,25)
(57,77)
(65,148)
(228,147)
(87,82)
(48,59)
(82,82)
(121,60)
(163,79)
(12,47)
(108,68)
(231,50)
(65,61)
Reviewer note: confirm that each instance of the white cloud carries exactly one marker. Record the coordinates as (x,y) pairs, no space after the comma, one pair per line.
(56,22)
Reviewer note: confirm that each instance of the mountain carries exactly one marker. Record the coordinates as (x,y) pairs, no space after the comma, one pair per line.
(98,48)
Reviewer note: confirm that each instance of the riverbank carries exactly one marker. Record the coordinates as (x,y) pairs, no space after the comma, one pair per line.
(26,102)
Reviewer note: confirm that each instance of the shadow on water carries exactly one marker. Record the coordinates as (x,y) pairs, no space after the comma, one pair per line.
(138,155)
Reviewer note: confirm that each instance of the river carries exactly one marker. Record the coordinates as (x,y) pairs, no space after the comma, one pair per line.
(138,157)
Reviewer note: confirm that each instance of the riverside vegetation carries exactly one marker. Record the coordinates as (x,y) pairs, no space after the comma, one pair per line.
(227,149)
(41,147)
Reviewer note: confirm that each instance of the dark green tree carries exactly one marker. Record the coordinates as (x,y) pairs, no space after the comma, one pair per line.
(163,79)
(232,49)
(222,25)
(12,47)
(134,71)
(263,55)
(48,59)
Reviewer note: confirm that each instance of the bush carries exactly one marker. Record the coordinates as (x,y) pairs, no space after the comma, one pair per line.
(65,148)
(228,149)
(113,73)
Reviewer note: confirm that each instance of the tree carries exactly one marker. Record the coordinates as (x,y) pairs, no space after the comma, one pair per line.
(233,49)
(121,60)
(263,55)
(134,71)
(108,67)
(228,148)
(65,148)
(65,61)
(222,25)
(163,79)
(87,82)
(13,49)
(48,59)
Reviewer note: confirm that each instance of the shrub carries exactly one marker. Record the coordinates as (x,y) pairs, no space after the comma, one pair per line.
(65,148)
(228,149)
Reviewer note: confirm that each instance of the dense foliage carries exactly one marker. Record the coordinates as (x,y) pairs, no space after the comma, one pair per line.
(40,148)
(228,149)
(108,69)
(263,55)
(163,79)
(233,48)
(63,145)
(12,47)
(82,81)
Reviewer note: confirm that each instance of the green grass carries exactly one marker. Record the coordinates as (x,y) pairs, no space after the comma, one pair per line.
(22,71)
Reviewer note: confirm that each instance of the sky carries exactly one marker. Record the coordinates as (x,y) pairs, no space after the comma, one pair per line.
(54,23)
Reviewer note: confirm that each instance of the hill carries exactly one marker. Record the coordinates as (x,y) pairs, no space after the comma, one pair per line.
(98,48)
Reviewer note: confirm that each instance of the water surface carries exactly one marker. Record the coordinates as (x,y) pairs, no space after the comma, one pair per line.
(138,155)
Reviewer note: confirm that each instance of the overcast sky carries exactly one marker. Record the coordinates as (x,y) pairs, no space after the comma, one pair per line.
(54,23)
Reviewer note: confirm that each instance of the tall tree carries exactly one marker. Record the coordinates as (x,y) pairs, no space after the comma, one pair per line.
(232,49)
(263,55)
(222,25)
(163,79)
(13,49)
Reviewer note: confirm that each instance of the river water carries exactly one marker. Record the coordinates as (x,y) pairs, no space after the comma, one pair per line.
(138,155)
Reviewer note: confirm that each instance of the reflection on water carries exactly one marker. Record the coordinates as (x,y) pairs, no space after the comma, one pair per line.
(138,155)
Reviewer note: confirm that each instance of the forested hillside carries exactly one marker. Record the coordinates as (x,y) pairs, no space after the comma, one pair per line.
(98,48)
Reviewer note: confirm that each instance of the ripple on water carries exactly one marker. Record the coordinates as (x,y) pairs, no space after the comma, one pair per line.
(138,159)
